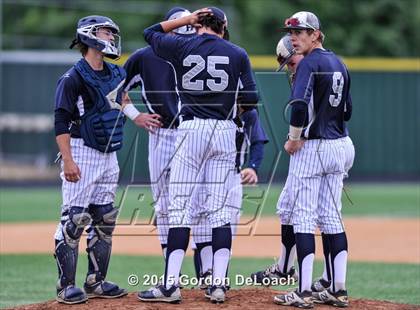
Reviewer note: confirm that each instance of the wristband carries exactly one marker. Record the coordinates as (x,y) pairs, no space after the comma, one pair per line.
(130,111)
(294,133)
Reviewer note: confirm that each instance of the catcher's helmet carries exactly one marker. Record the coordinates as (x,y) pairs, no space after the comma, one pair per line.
(86,34)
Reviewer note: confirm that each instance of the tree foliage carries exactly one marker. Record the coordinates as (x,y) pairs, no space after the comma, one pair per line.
(386,28)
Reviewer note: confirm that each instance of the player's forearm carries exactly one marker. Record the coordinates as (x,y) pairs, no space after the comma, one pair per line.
(298,117)
(165,27)
(63,142)
(169,25)
(256,155)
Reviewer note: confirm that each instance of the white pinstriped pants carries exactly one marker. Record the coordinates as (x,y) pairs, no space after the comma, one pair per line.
(205,154)
(98,182)
(161,152)
(201,227)
(312,193)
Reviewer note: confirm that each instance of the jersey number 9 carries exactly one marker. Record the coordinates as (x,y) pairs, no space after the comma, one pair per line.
(200,65)
(337,88)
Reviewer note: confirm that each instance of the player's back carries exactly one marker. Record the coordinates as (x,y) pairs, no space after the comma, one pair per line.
(209,72)
(156,78)
(326,91)
(211,69)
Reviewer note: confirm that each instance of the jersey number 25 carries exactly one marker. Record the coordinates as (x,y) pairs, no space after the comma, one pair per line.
(200,65)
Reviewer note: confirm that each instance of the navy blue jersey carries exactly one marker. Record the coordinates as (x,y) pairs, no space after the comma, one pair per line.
(250,138)
(323,83)
(209,71)
(72,96)
(156,78)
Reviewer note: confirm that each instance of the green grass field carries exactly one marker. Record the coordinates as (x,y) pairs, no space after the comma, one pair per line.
(384,200)
(392,282)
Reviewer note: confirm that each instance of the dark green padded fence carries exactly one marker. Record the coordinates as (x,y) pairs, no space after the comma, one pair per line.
(384,128)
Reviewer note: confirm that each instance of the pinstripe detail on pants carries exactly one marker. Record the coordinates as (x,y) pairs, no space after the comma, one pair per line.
(312,193)
(201,227)
(161,152)
(205,151)
(98,182)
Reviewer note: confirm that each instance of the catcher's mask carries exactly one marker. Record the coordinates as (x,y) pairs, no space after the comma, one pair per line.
(87,28)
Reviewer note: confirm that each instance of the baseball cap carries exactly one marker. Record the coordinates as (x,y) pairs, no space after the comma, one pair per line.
(302,20)
(284,47)
(178,12)
(219,14)
(284,50)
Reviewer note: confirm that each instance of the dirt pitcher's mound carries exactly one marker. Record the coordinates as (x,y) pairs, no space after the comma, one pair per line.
(194,299)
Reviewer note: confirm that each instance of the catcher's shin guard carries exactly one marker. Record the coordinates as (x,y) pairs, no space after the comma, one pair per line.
(66,250)
(100,245)
(66,258)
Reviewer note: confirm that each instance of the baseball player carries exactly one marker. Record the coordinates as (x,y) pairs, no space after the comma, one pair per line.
(317,145)
(156,79)
(88,128)
(250,138)
(286,56)
(283,268)
(209,71)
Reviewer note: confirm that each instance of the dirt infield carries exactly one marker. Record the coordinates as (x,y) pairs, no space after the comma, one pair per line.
(242,299)
(370,239)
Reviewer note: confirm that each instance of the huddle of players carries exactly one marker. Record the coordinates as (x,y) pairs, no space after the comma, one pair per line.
(148,69)
(162,71)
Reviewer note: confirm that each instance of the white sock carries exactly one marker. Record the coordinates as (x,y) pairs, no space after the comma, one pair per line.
(340,268)
(206,256)
(174,267)
(306,273)
(220,264)
(282,260)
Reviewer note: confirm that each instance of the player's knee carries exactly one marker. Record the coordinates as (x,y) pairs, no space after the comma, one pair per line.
(75,224)
(104,218)
(330,225)
(285,217)
(304,227)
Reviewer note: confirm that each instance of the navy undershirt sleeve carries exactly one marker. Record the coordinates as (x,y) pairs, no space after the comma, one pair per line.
(163,44)
(299,113)
(256,155)
(62,120)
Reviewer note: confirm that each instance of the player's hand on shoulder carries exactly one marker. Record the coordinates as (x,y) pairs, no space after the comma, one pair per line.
(150,122)
(249,176)
(71,171)
(292,147)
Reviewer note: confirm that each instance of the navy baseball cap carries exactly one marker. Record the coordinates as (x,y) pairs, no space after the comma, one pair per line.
(219,14)
(302,20)
(178,12)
